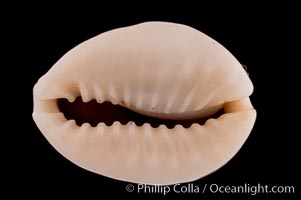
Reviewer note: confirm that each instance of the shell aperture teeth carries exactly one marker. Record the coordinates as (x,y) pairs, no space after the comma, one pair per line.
(108,113)
(98,94)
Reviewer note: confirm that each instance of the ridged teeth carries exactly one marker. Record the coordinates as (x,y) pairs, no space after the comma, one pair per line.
(178,127)
(100,129)
(196,126)
(84,92)
(147,130)
(98,94)
(187,100)
(140,97)
(163,129)
(116,128)
(114,141)
(69,123)
(112,94)
(132,128)
(84,129)
(168,146)
(66,95)
(172,144)
(179,141)
(147,142)
(180,132)
(126,95)
(171,99)
(71,99)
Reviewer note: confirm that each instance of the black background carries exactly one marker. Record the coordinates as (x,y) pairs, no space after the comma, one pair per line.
(262,39)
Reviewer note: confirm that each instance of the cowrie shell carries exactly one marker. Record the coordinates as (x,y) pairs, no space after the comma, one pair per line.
(158,69)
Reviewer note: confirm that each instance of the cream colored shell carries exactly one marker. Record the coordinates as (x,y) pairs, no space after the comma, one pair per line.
(159,69)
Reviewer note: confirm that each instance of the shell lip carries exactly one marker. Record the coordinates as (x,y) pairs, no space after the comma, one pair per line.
(120,114)
(241,110)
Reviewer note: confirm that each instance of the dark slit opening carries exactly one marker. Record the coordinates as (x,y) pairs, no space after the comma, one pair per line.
(94,113)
